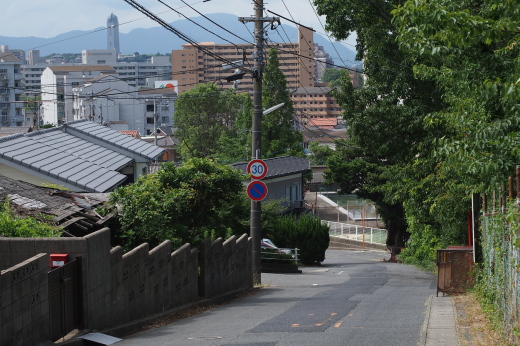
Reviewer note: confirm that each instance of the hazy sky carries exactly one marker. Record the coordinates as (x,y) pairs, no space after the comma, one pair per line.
(49,18)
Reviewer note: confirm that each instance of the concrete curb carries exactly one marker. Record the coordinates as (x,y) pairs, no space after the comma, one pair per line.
(424,329)
(133,327)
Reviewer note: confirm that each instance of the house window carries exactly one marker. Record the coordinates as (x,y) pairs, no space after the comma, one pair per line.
(292,192)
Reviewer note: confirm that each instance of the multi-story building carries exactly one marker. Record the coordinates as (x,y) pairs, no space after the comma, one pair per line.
(136,74)
(314,103)
(113,33)
(323,61)
(56,89)
(144,74)
(11,90)
(191,66)
(99,57)
(110,101)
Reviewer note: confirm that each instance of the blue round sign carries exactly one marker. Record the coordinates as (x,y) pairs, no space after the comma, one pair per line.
(257,190)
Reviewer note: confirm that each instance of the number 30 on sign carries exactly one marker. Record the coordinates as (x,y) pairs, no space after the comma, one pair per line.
(257,169)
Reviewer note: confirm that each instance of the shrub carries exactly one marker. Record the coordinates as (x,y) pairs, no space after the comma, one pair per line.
(29,227)
(305,232)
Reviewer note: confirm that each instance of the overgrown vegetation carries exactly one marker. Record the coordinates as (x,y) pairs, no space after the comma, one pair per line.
(498,275)
(182,204)
(439,116)
(24,227)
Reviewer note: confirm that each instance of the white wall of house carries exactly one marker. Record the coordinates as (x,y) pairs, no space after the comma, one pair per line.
(57,90)
(31,178)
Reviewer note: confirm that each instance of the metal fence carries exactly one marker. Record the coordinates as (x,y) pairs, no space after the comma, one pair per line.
(357,232)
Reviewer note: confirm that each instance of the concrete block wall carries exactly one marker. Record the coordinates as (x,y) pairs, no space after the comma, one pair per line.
(17,250)
(117,287)
(184,275)
(146,282)
(96,269)
(225,266)
(24,305)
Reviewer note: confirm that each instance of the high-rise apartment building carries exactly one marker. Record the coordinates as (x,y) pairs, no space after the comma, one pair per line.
(113,33)
(315,103)
(11,90)
(191,66)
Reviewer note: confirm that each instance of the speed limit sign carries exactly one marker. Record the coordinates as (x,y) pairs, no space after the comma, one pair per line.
(257,169)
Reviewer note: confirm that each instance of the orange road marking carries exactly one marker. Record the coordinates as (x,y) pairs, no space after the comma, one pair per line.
(337,325)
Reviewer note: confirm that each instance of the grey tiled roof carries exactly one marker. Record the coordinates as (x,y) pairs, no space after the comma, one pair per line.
(57,139)
(89,161)
(115,138)
(280,166)
(44,159)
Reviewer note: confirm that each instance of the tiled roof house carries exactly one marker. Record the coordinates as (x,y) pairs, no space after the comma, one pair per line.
(80,155)
(284,178)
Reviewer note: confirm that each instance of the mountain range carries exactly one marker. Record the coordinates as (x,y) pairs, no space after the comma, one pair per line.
(160,40)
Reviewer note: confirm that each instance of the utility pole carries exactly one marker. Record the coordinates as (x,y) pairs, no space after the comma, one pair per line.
(256,131)
(154,122)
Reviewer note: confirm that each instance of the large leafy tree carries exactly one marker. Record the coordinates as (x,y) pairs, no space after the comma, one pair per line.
(470,50)
(476,46)
(182,204)
(213,123)
(278,135)
(389,149)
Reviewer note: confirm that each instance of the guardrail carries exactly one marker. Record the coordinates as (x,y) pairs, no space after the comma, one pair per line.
(357,232)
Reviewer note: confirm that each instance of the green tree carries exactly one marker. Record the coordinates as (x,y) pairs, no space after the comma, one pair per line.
(278,135)
(182,204)
(470,50)
(319,153)
(385,118)
(331,75)
(475,47)
(213,123)
(389,150)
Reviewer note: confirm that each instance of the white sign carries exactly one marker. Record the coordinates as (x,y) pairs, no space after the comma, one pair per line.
(257,169)
(172,84)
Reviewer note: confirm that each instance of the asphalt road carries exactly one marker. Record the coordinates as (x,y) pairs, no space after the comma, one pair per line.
(354,298)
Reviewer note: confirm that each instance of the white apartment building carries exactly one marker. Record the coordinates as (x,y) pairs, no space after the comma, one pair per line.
(136,74)
(11,90)
(57,83)
(112,102)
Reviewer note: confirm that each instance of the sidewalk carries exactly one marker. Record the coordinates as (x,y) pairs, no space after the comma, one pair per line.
(440,326)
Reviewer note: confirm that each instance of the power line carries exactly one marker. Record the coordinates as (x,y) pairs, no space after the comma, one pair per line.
(181,35)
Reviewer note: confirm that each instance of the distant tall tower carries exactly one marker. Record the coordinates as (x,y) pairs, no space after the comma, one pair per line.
(113,33)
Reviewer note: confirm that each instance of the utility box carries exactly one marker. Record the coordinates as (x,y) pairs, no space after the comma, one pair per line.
(58,260)
(454,266)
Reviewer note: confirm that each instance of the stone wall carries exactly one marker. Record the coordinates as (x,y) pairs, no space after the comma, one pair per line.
(117,287)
